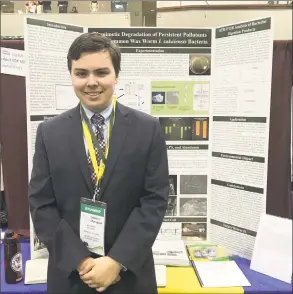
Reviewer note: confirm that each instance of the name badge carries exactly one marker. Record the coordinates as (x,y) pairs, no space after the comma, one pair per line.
(92,225)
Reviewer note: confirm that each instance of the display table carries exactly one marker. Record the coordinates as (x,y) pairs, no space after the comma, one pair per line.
(179,280)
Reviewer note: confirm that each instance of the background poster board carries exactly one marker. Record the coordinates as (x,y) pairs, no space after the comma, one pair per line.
(167,73)
(48,83)
(201,86)
(240,126)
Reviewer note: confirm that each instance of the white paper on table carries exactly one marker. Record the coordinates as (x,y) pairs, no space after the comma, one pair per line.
(171,253)
(36,271)
(2,234)
(161,275)
(272,254)
(217,274)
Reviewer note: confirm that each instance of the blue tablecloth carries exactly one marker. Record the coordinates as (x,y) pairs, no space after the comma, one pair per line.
(260,284)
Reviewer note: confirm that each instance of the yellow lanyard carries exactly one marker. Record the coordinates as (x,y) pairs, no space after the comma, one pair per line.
(99,168)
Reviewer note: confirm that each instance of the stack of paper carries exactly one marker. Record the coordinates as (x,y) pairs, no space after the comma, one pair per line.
(36,271)
(161,275)
(217,274)
(171,253)
(2,234)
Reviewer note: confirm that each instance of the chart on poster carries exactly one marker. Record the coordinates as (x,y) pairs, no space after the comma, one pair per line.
(212,98)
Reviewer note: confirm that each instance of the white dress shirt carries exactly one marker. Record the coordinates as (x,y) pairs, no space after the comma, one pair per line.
(106,113)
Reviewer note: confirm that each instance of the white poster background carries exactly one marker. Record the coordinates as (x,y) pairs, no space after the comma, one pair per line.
(54,104)
(240,109)
(46,45)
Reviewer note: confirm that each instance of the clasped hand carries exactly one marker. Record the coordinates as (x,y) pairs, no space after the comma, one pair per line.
(99,273)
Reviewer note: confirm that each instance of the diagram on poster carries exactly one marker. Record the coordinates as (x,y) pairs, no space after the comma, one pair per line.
(133,93)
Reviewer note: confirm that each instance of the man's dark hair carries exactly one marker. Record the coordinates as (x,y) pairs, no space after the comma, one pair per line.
(94,42)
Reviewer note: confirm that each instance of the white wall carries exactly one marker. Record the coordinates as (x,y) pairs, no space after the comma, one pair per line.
(211,2)
(212,18)
(13,24)
(82,6)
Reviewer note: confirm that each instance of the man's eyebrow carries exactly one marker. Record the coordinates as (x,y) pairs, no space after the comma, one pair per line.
(97,69)
(80,69)
(102,69)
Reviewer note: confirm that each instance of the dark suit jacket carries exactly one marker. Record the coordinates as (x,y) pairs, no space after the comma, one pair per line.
(135,188)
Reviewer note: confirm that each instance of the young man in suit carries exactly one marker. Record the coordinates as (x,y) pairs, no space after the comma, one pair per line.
(132,190)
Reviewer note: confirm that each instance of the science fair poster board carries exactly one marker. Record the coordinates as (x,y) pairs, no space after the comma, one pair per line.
(210,90)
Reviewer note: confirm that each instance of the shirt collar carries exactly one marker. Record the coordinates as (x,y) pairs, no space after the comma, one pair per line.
(105,113)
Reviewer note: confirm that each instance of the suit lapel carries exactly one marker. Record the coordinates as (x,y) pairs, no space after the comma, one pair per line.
(117,140)
(78,147)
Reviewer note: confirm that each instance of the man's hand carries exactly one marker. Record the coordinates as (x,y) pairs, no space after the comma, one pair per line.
(104,273)
(86,265)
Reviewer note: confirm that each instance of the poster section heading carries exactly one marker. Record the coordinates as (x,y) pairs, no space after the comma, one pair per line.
(233,228)
(153,37)
(240,119)
(239,157)
(54,25)
(237,186)
(187,147)
(244,28)
(41,117)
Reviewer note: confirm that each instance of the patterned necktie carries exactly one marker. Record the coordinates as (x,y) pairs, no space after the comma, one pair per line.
(98,121)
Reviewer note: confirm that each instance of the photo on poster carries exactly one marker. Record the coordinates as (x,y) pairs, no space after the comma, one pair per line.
(199,64)
(171,206)
(180,97)
(193,206)
(173,185)
(172,97)
(194,231)
(193,184)
(158,98)
(185,128)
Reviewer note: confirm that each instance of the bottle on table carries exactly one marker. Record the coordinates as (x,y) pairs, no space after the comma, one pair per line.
(12,257)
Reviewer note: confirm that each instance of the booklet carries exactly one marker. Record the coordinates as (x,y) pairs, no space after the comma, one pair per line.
(161,275)
(36,271)
(172,253)
(220,274)
(200,252)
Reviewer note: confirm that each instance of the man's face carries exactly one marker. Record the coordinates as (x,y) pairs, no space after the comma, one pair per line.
(93,79)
